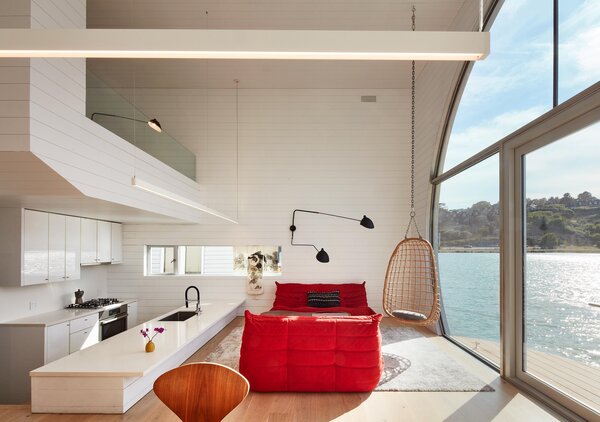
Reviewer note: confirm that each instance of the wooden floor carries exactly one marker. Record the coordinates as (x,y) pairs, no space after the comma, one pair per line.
(580,381)
(505,404)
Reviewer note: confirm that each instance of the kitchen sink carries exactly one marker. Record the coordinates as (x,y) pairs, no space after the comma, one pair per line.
(179,316)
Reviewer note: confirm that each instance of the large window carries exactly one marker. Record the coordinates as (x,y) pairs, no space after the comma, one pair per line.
(561,265)
(579,35)
(531,306)
(209,260)
(469,259)
(510,87)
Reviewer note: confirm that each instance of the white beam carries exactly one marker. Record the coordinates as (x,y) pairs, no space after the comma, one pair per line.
(244,44)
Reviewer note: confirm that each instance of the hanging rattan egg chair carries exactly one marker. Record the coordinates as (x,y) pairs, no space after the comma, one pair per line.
(410,292)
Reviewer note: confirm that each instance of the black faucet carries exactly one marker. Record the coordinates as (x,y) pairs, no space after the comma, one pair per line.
(198,310)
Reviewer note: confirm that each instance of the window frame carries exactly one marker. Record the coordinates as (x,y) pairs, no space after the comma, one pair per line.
(179,266)
(564,118)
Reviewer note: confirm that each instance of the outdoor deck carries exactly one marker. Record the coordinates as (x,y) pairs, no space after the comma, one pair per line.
(579,380)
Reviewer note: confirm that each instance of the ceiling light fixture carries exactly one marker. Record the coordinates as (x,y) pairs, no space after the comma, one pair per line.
(322,256)
(156,190)
(245,44)
(153,123)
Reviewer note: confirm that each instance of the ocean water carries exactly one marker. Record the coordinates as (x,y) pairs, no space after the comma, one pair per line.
(558,289)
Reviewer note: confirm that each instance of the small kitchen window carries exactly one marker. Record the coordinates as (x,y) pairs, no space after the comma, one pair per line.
(210,260)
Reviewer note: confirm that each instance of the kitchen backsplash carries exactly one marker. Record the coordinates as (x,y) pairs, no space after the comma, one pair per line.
(19,302)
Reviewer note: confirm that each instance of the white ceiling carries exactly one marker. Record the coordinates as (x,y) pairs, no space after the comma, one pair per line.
(382,15)
(389,15)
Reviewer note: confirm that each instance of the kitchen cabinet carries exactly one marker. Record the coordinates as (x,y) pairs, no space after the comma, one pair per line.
(35,248)
(36,341)
(72,248)
(64,260)
(84,332)
(57,341)
(97,243)
(56,247)
(132,314)
(116,243)
(89,235)
(104,233)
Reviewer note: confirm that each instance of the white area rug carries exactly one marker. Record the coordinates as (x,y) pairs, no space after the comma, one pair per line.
(412,363)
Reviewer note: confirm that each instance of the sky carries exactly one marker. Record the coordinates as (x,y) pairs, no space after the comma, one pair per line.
(514,86)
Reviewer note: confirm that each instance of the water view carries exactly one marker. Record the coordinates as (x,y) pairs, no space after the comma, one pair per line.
(558,291)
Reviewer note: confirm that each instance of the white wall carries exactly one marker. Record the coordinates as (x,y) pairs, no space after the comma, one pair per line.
(16,75)
(18,302)
(323,150)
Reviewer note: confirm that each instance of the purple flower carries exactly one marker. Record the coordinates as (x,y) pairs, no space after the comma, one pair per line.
(157,330)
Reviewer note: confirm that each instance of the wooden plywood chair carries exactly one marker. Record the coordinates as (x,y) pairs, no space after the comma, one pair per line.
(202,392)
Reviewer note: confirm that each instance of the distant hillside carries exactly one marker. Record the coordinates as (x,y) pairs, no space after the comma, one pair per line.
(552,223)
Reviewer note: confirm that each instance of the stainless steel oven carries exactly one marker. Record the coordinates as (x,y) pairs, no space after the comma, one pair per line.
(113,320)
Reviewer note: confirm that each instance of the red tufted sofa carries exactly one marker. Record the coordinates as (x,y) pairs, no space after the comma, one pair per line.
(313,353)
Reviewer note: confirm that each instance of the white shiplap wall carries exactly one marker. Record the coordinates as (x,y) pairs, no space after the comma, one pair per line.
(14,84)
(15,123)
(314,149)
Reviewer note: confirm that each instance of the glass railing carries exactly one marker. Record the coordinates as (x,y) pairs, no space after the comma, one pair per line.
(105,106)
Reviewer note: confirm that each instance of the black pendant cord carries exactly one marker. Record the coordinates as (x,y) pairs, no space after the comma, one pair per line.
(412,145)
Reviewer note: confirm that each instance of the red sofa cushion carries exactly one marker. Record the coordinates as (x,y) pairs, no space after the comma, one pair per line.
(290,296)
(311,353)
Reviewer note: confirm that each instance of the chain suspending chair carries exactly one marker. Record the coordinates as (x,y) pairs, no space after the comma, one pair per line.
(410,292)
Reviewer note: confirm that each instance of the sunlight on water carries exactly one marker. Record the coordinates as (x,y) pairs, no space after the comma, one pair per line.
(558,317)
(558,290)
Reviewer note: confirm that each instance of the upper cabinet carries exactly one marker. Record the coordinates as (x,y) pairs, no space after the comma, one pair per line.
(100,242)
(34,248)
(116,243)
(37,247)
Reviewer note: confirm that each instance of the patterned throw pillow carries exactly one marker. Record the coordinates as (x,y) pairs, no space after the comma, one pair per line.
(324,299)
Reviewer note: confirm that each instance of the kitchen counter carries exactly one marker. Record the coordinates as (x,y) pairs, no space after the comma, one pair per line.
(114,374)
(54,317)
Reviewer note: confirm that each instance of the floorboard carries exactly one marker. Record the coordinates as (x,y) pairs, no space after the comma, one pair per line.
(505,404)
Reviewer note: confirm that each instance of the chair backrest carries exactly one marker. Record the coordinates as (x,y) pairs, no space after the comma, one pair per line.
(202,391)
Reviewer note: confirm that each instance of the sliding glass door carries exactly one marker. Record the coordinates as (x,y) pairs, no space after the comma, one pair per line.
(560,278)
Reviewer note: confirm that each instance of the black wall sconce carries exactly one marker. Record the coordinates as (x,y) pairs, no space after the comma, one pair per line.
(322,256)
(154,124)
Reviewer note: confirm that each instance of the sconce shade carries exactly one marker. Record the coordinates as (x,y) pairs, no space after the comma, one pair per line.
(322,256)
(154,124)
(367,222)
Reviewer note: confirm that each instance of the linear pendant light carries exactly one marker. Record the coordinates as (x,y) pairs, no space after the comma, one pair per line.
(149,187)
(245,44)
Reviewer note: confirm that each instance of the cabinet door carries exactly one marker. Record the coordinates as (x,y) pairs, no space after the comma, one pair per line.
(88,242)
(56,247)
(83,339)
(35,248)
(104,230)
(57,341)
(72,248)
(116,243)
(132,315)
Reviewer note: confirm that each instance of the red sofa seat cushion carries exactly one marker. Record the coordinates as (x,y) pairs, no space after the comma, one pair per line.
(311,353)
(293,297)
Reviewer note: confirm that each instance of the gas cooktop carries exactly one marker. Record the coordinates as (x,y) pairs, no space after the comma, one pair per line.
(94,303)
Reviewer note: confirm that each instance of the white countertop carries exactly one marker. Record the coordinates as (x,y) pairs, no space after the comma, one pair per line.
(54,317)
(124,354)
